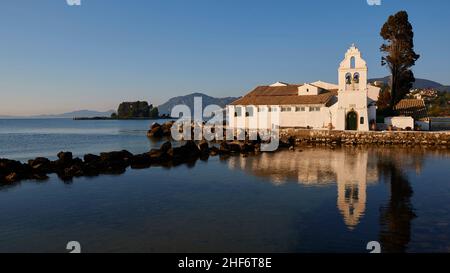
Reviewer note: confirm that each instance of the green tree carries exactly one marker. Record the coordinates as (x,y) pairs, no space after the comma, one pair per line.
(384,98)
(137,109)
(398,54)
(114,116)
(154,113)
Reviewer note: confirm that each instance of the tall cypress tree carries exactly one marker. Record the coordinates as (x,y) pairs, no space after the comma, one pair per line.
(398,54)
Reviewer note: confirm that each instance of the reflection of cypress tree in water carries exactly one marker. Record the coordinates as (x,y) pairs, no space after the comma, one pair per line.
(396,217)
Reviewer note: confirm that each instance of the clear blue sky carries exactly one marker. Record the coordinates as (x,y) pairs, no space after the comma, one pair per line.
(57,58)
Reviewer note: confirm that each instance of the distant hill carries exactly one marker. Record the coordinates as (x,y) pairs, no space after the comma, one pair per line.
(420,83)
(188,100)
(78,114)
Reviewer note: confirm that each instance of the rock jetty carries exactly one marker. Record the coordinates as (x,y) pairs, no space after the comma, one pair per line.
(67,167)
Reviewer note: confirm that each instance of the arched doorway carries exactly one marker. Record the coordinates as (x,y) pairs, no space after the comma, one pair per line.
(352,121)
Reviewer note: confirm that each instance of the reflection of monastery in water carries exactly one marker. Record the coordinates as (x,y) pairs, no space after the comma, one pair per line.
(352,172)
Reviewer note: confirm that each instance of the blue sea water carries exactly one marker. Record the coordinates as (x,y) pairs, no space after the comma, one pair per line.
(310,200)
(29,138)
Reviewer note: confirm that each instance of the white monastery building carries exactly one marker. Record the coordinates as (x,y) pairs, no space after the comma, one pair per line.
(349,105)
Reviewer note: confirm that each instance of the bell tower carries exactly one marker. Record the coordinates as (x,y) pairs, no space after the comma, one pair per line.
(352,113)
(353,71)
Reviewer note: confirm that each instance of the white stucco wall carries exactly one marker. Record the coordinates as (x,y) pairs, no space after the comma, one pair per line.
(313,119)
(307,89)
(325,85)
(400,122)
(373,93)
(264,119)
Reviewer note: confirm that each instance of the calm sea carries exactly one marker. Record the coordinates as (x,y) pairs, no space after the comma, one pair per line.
(310,200)
(30,138)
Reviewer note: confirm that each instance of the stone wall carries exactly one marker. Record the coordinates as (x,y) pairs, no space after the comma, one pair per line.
(302,136)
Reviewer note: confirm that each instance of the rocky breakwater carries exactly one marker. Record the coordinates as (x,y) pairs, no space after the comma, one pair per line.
(437,139)
(67,167)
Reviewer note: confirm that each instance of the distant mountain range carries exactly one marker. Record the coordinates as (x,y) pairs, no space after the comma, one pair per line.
(74,114)
(420,83)
(188,100)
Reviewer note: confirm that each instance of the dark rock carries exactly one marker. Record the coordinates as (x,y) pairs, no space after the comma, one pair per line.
(65,157)
(93,168)
(7,166)
(191,148)
(188,151)
(73,171)
(166,128)
(247,147)
(156,156)
(65,160)
(224,148)
(155,153)
(155,125)
(283,144)
(12,170)
(203,146)
(156,130)
(39,161)
(115,162)
(234,147)
(116,156)
(141,161)
(90,158)
(77,161)
(166,147)
(38,176)
(12,177)
(176,153)
(213,151)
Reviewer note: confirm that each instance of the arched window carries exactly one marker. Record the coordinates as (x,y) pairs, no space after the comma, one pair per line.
(356,77)
(348,78)
(352,62)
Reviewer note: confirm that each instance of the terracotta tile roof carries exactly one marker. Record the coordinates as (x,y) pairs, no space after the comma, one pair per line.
(283,95)
(412,107)
(287,90)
